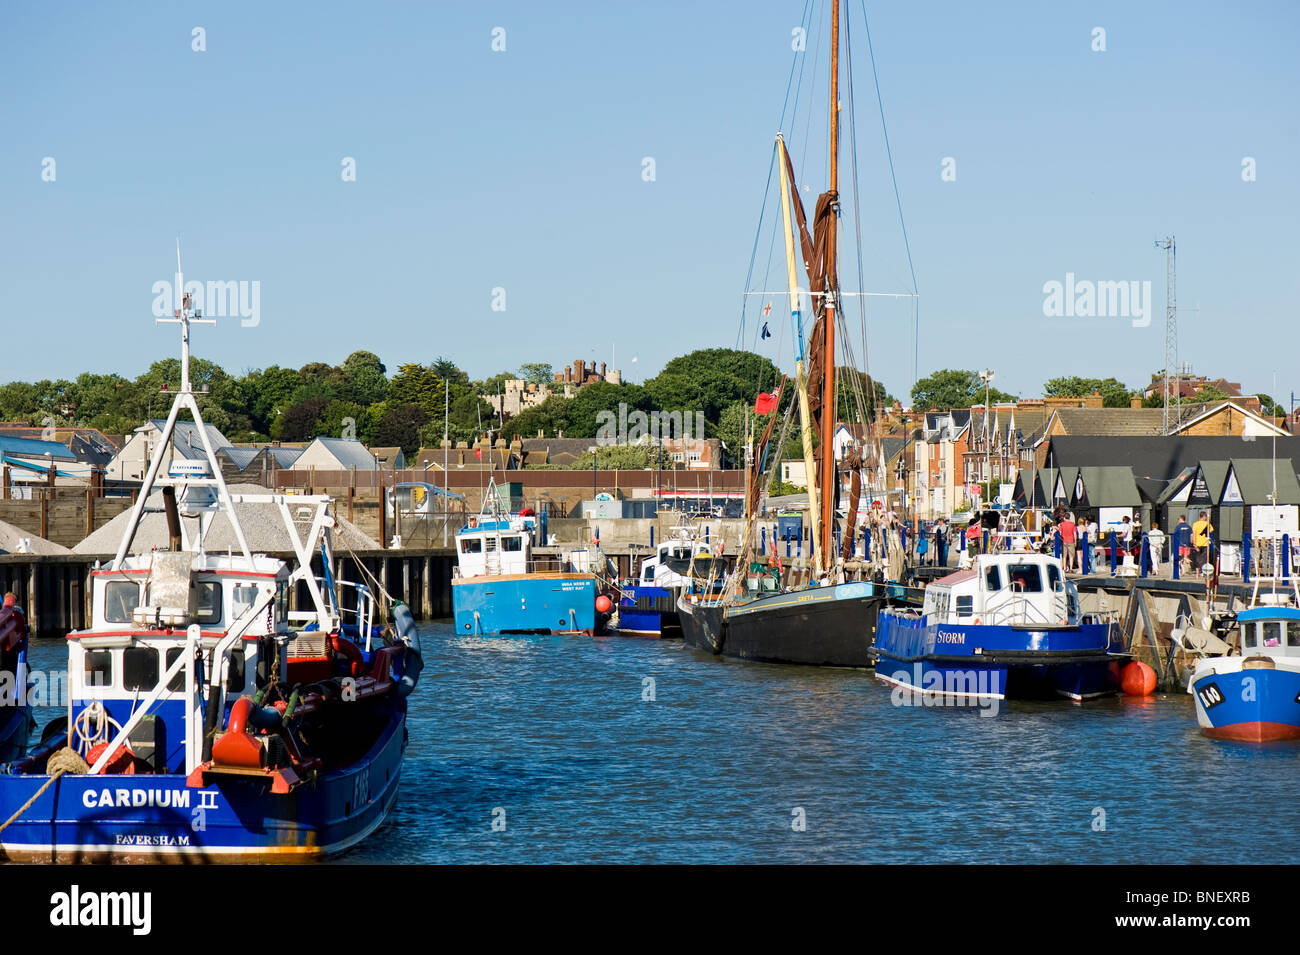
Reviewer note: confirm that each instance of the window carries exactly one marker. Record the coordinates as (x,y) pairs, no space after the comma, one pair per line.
(648,573)
(1247,635)
(1293,635)
(139,668)
(993,578)
(121,597)
(282,602)
(1053,576)
(177,683)
(514,543)
(209,601)
(491,544)
(243,597)
(235,673)
(471,545)
(99,668)
(965,606)
(1272,633)
(1025,577)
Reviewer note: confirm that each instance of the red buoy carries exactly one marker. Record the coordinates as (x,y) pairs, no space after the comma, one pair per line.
(603,604)
(1138,679)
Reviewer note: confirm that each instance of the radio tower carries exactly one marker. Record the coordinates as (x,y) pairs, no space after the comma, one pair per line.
(1172,384)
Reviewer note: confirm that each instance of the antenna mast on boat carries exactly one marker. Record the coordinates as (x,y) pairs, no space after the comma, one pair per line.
(184,316)
(828,475)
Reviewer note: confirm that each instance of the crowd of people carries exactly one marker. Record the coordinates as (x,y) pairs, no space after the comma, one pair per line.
(1003,531)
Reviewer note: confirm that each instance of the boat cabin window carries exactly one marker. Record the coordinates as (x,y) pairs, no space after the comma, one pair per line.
(121,597)
(209,601)
(235,672)
(177,683)
(1293,634)
(99,668)
(513,543)
(992,578)
(282,602)
(1247,636)
(1271,633)
(1053,576)
(965,605)
(140,668)
(491,544)
(471,545)
(1026,578)
(242,598)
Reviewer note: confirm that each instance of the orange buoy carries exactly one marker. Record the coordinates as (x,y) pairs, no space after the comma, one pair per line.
(1138,679)
(603,604)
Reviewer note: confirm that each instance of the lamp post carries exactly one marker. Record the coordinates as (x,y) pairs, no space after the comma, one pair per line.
(986,376)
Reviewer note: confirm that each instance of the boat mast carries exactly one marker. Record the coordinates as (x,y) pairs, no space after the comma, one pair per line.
(828,475)
(801,378)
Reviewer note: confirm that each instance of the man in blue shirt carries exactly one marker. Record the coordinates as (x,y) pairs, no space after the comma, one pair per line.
(1182,541)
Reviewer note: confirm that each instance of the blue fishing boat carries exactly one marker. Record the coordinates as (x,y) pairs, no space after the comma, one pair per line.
(648,605)
(1008,627)
(498,588)
(206,720)
(1254,695)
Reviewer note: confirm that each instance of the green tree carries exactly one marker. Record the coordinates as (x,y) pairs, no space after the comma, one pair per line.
(446,368)
(1114,393)
(299,421)
(1269,407)
(400,427)
(367,378)
(952,388)
(537,373)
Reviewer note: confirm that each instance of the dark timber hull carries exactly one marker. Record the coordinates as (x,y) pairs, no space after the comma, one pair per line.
(820,626)
(701,624)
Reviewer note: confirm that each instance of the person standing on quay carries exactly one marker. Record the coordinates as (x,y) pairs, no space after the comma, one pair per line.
(1201,532)
(1069,541)
(1182,544)
(941,542)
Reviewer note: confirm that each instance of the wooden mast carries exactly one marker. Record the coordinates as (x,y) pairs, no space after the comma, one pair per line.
(800,375)
(828,474)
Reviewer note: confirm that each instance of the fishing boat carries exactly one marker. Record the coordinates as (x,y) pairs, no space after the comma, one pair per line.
(1254,695)
(1009,627)
(206,720)
(498,587)
(820,609)
(647,606)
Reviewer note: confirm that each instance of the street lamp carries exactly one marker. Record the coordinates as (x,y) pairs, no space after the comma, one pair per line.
(986,376)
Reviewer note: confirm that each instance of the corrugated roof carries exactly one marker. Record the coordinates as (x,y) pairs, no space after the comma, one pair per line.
(350,453)
(33,448)
(239,457)
(186,440)
(262,523)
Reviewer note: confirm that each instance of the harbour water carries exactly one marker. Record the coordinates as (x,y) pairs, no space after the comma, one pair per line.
(557,741)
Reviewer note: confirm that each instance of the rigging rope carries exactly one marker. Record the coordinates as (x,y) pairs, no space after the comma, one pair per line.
(916,327)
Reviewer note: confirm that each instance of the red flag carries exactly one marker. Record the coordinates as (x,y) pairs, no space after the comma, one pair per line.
(765,403)
(478,453)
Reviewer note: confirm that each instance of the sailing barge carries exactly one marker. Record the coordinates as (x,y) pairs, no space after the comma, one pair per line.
(829,617)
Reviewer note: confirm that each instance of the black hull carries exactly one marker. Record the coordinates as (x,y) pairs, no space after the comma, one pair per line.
(701,625)
(816,627)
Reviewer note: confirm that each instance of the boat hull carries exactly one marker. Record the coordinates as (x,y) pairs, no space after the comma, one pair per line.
(525,603)
(1247,705)
(701,624)
(648,611)
(149,818)
(980,662)
(820,626)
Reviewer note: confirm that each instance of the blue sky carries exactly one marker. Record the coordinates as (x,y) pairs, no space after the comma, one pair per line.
(523,170)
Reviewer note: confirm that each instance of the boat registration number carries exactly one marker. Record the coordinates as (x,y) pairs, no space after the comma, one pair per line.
(1210,695)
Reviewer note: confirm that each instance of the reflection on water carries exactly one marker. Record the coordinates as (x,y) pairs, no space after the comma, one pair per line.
(554,737)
